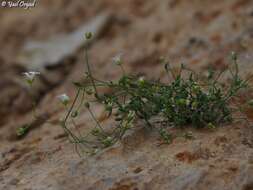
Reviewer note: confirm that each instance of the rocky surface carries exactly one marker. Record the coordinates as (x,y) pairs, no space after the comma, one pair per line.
(198,33)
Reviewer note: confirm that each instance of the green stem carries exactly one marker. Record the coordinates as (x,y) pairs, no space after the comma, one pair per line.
(89,70)
(33,104)
(72,106)
(67,116)
(123,70)
(94,118)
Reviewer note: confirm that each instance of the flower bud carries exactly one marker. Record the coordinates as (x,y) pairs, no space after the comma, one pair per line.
(88,35)
(234,56)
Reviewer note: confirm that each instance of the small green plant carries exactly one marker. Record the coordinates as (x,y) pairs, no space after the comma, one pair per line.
(29,78)
(21,131)
(194,100)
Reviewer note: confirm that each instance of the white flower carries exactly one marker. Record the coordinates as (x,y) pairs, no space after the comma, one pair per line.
(30,76)
(141,80)
(64,99)
(188,102)
(117,59)
(145,100)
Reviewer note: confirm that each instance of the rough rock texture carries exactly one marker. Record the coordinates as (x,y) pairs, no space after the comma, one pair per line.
(198,33)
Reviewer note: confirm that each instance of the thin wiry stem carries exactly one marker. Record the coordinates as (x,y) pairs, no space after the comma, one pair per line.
(89,70)
(97,123)
(72,106)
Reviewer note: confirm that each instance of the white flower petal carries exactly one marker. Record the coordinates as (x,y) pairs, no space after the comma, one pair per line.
(64,98)
(117,59)
(30,76)
(32,73)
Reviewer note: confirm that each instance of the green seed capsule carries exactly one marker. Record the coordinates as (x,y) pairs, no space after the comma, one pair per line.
(194,105)
(108,108)
(74,114)
(211,126)
(87,104)
(196,88)
(181,101)
(95,132)
(89,91)
(250,103)
(108,141)
(118,119)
